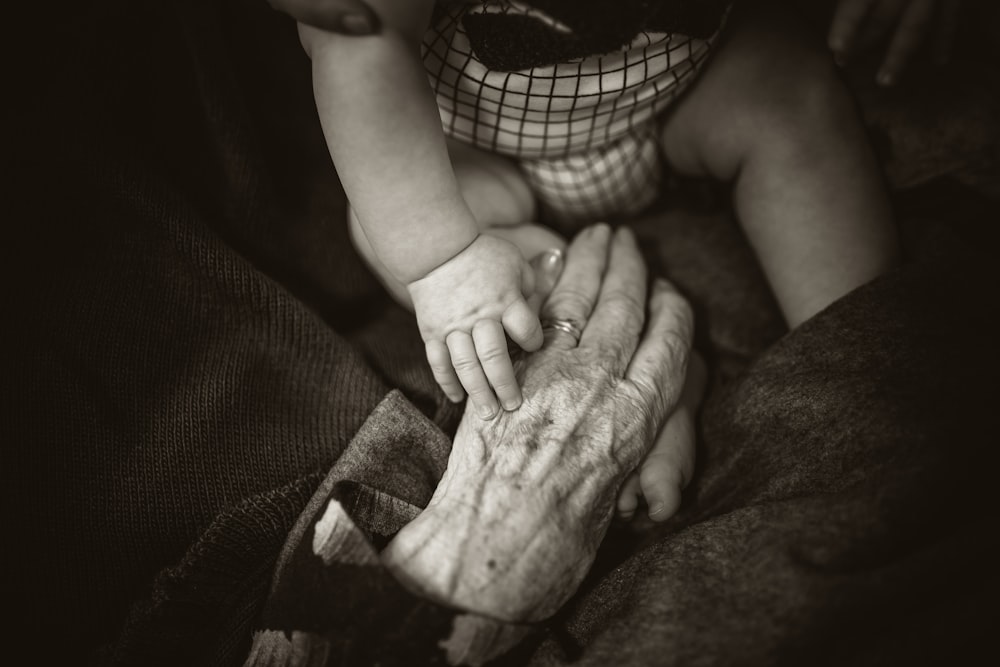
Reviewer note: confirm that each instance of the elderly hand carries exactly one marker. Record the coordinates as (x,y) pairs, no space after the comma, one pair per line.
(906,23)
(352,17)
(527,497)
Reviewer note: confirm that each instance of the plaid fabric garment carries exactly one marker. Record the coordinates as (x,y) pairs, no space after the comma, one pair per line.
(585,130)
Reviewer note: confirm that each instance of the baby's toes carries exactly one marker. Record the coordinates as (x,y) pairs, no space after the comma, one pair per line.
(628,496)
(661,487)
(668,466)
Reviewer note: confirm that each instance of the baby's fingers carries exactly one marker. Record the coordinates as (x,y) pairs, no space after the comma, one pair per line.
(491,346)
(444,373)
(470,372)
(913,26)
(522,326)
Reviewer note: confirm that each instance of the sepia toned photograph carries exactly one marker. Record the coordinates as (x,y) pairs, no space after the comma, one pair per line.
(501,333)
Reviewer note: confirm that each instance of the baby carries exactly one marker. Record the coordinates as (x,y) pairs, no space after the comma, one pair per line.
(454,123)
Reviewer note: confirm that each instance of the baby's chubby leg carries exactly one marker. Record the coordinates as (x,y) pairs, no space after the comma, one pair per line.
(500,200)
(770,115)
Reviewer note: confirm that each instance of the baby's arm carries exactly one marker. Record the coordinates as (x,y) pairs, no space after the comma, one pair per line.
(384,133)
(383,129)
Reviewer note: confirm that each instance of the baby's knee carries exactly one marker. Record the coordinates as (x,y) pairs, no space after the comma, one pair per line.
(805,101)
(767,89)
(792,93)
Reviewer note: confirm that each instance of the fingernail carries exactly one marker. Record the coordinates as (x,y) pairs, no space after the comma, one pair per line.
(548,267)
(656,509)
(551,262)
(552,256)
(485,411)
(511,404)
(356,24)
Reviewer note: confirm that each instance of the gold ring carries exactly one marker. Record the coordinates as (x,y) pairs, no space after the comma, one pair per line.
(566,326)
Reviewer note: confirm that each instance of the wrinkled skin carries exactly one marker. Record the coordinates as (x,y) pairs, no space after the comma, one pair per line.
(527,497)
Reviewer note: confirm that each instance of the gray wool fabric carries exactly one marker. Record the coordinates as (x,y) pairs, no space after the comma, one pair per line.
(191,345)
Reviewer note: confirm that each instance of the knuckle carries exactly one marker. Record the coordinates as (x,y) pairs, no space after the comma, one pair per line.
(609,360)
(625,298)
(493,355)
(629,318)
(437,354)
(465,365)
(480,394)
(679,312)
(505,388)
(678,346)
(483,327)
(572,301)
(654,397)
(441,370)
(626,316)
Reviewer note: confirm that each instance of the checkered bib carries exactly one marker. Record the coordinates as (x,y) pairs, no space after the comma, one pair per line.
(584,131)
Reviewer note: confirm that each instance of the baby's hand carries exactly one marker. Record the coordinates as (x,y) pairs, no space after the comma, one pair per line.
(861,23)
(463,309)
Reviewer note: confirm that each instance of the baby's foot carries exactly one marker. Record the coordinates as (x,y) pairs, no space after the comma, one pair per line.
(667,468)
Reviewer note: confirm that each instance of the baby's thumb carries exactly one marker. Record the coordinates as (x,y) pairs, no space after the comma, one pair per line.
(528,280)
(546,268)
